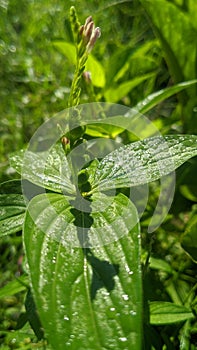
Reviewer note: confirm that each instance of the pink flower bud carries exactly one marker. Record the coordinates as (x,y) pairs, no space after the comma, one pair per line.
(95,35)
(87,77)
(88,20)
(88,31)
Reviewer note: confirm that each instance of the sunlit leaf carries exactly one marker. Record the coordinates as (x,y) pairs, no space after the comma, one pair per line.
(48,169)
(143,161)
(87,298)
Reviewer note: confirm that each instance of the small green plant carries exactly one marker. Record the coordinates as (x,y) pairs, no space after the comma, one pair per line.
(81,231)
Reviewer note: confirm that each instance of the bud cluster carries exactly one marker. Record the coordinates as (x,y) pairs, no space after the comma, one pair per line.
(85,37)
(89,34)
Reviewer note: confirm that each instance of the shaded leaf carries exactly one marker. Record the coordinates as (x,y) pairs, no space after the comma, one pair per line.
(32,316)
(12,212)
(189,239)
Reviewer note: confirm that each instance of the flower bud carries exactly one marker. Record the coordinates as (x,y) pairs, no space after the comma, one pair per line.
(95,35)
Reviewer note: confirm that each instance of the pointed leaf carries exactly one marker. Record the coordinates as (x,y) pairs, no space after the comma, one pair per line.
(159,96)
(47,169)
(143,161)
(88,298)
(167,313)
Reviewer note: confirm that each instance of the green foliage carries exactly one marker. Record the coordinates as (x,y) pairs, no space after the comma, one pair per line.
(88,296)
(167,313)
(96,303)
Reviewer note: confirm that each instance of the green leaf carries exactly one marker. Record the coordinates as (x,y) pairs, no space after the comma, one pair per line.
(162,313)
(92,64)
(15,286)
(143,161)
(159,264)
(116,63)
(96,70)
(154,99)
(88,298)
(47,169)
(117,93)
(12,212)
(67,49)
(189,239)
(103,130)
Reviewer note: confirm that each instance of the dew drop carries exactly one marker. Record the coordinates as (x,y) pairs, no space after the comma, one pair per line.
(66,318)
(125,297)
(133,313)
(112,309)
(123,339)
(195,109)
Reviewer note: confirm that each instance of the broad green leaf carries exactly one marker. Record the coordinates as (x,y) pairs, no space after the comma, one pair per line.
(15,286)
(143,161)
(88,298)
(92,64)
(12,213)
(47,169)
(154,99)
(115,94)
(189,239)
(162,313)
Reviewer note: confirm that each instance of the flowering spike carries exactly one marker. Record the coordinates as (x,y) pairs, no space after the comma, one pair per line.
(85,37)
